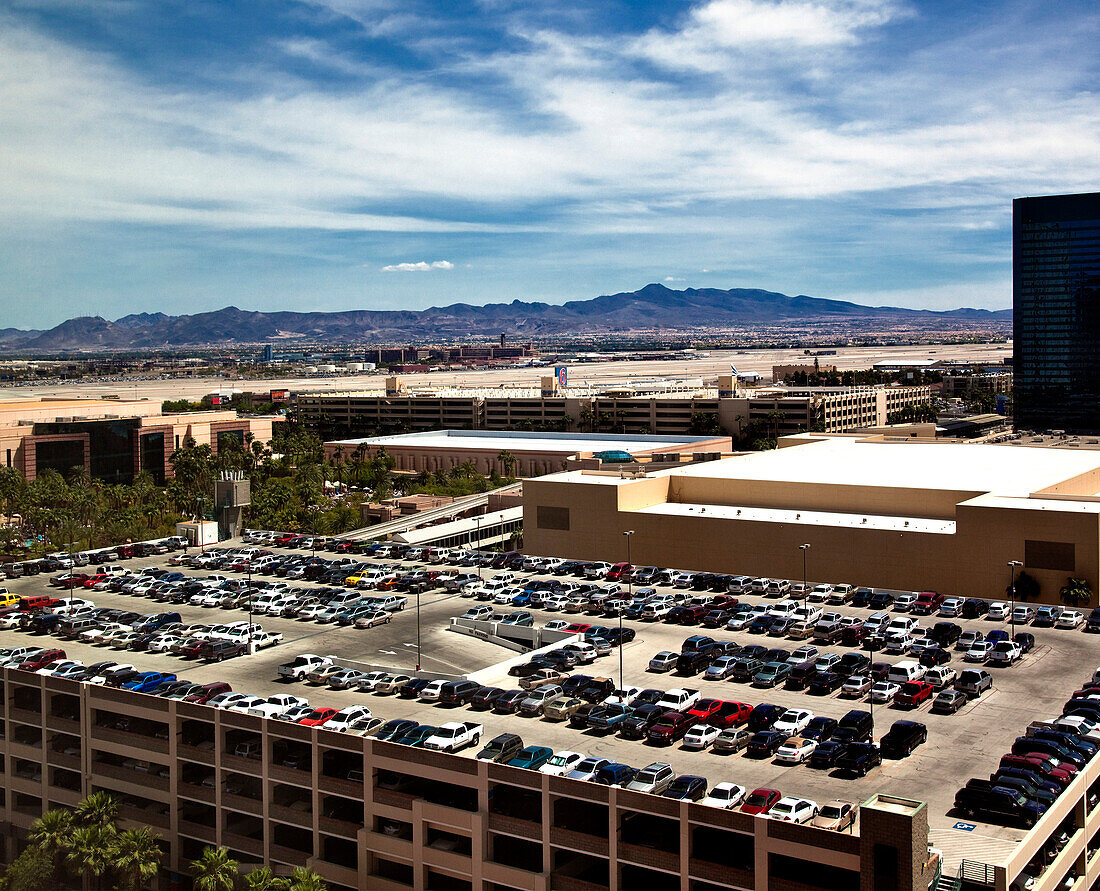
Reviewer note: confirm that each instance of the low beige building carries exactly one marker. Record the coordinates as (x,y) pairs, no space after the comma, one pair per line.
(114,439)
(531,454)
(899,515)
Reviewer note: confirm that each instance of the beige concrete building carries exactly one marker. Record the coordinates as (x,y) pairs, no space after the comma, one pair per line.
(113,439)
(899,515)
(784,410)
(376,816)
(533,454)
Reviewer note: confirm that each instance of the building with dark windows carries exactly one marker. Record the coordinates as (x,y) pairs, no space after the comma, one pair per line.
(1056,312)
(113,439)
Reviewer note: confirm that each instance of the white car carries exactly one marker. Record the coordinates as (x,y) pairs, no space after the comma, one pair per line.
(700,736)
(793,720)
(561,763)
(1071,618)
(884,691)
(312,611)
(245,704)
(162,643)
(277,706)
(556,625)
(796,750)
(104,634)
(107,673)
(725,795)
(124,640)
(227,700)
(346,717)
(998,611)
(11,620)
(262,639)
(794,810)
(587,769)
(625,696)
(61,669)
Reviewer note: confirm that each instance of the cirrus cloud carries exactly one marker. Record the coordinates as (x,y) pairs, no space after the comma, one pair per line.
(421,266)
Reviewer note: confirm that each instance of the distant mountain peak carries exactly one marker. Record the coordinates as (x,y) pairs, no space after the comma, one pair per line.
(655,306)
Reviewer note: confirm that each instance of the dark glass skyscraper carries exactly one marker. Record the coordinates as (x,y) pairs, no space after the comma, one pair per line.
(1056,312)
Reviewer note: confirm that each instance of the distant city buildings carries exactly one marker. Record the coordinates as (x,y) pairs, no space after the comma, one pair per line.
(1056,312)
(113,439)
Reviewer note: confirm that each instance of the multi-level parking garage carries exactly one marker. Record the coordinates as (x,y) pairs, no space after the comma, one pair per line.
(288,794)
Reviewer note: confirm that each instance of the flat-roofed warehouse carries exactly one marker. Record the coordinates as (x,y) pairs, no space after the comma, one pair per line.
(533,453)
(898,515)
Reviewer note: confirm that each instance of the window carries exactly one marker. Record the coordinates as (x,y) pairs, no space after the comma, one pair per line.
(1059,555)
(552,518)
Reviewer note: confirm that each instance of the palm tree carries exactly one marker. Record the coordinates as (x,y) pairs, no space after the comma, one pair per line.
(1076,592)
(215,870)
(92,850)
(508,461)
(305,879)
(263,879)
(98,809)
(137,857)
(52,832)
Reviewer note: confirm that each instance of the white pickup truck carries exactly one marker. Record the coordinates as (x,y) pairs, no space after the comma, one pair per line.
(678,700)
(455,736)
(302,665)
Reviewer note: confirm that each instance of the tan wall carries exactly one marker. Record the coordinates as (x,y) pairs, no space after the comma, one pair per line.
(972,562)
(912,502)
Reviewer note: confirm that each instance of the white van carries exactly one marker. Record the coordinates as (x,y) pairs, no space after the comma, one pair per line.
(905,671)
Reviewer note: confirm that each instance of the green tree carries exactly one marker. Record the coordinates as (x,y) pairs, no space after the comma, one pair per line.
(215,870)
(98,809)
(263,879)
(92,851)
(51,834)
(32,870)
(1076,592)
(508,462)
(137,857)
(304,879)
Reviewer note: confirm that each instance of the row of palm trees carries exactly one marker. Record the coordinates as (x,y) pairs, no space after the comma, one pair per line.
(67,846)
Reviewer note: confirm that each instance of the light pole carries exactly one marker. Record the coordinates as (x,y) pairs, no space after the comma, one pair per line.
(477,549)
(418,587)
(622,608)
(804,548)
(1012,564)
(250,649)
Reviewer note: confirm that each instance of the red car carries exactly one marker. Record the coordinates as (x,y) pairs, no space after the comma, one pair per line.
(576,628)
(913,693)
(927,603)
(42,660)
(317,717)
(95,579)
(722,601)
(760,801)
(731,714)
(1063,774)
(620,572)
(704,708)
(208,692)
(670,727)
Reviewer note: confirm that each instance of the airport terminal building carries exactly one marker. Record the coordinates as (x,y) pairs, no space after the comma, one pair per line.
(897,515)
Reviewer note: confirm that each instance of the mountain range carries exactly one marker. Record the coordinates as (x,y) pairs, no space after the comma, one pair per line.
(654,307)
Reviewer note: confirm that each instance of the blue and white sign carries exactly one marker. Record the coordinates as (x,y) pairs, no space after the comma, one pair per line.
(562,374)
(965,827)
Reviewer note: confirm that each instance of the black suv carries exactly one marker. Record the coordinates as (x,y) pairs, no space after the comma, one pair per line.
(858,758)
(902,738)
(458,692)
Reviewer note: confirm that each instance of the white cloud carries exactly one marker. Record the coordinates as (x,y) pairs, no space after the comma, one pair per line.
(672,278)
(422,266)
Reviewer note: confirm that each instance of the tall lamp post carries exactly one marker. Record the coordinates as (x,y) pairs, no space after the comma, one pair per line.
(622,608)
(419,585)
(477,549)
(804,548)
(251,651)
(1012,564)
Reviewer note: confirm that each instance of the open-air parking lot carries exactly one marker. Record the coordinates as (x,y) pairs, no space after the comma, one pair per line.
(963,742)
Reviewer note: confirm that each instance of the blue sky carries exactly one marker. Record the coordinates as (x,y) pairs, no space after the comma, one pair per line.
(181,155)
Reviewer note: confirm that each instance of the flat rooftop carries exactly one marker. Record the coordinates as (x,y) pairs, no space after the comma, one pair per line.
(848,461)
(566,443)
(803,517)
